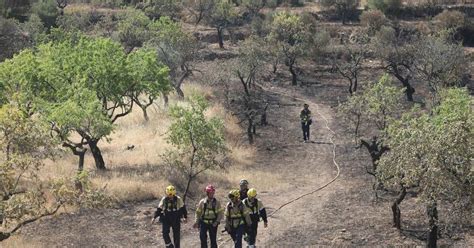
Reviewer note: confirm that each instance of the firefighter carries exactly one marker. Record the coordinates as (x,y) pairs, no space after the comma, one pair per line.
(244,187)
(170,211)
(208,216)
(257,212)
(306,121)
(236,217)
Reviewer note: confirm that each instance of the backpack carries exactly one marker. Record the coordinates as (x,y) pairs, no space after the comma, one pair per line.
(174,204)
(255,215)
(213,208)
(241,209)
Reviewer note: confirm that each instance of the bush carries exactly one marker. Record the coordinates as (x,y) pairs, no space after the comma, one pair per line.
(450,20)
(386,6)
(373,20)
(47,11)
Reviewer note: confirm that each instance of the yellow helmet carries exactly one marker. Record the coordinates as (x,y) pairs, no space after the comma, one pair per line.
(234,194)
(170,191)
(252,193)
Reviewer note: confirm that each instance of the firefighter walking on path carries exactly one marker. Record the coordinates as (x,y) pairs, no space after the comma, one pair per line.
(237,217)
(208,216)
(244,187)
(257,211)
(170,211)
(306,121)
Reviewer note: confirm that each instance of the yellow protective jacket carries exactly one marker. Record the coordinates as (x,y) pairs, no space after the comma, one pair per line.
(236,215)
(209,211)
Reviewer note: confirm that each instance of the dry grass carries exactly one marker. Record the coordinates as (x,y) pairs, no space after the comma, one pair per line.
(84,8)
(138,174)
(17,241)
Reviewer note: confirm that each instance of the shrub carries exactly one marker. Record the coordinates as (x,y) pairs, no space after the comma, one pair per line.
(450,20)
(373,20)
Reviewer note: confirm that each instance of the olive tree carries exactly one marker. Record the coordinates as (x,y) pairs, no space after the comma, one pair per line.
(369,113)
(342,7)
(222,15)
(24,197)
(248,103)
(176,48)
(439,63)
(438,166)
(294,38)
(198,141)
(82,85)
(397,54)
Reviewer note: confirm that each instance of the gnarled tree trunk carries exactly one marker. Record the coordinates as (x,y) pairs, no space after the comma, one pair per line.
(97,154)
(432,211)
(396,207)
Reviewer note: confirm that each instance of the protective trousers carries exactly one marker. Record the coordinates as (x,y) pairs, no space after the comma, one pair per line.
(305,127)
(251,232)
(203,230)
(167,225)
(236,235)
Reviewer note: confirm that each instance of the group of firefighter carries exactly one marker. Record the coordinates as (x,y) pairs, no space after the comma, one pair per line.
(242,213)
(241,216)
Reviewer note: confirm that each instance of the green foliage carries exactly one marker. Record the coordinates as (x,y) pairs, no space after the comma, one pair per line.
(82,84)
(199,141)
(24,144)
(12,38)
(433,151)
(174,45)
(373,108)
(46,10)
(222,14)
(79,191)
(192,130)
(158,8)
(386,6)
(132,29)
(439,62)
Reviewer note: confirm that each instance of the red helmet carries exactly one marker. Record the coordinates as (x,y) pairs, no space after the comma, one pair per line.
(210,189)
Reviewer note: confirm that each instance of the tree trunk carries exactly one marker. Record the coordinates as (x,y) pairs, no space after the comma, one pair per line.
(343,17)
(275,66)
(293,75)
(96,153)
(81,155)
(396,208)
(4,235)
(219,37)
(433,222)
(355,85)
(249,130)
(165,100)
(190,178)
(145,112)
(409,91)
(179,91)
(350,87)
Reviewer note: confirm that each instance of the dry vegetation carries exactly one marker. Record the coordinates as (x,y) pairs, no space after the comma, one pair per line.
(138,174)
